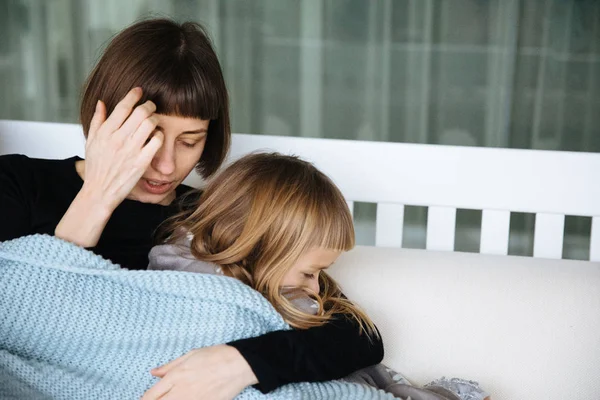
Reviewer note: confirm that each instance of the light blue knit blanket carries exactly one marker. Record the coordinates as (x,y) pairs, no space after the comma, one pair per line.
(75,326)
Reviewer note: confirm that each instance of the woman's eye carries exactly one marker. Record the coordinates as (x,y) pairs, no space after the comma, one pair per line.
(309,276)
(189,145)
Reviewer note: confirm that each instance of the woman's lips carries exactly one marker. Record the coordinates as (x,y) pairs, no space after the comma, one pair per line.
(156,187)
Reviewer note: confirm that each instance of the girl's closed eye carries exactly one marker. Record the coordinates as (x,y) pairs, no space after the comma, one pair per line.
(309,276)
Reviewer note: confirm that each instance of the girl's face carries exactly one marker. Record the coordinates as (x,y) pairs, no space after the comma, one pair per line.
(305,272)
(184,140)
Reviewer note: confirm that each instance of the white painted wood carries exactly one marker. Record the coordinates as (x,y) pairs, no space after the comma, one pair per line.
(461,177)
(441,226)
(389,225)
(534,181)
(595,240)
(495,227)
(41,139)
(351,207)
(548,235)
(429,175)
(521,307)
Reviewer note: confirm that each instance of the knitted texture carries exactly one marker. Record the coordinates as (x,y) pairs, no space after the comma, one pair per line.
(75,326)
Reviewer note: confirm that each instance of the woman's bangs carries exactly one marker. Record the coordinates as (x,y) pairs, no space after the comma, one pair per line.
(185,94)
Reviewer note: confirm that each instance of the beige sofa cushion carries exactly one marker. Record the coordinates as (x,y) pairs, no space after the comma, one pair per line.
(525,328)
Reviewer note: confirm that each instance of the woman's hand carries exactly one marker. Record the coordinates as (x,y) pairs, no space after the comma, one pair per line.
(118,153)
(217,372)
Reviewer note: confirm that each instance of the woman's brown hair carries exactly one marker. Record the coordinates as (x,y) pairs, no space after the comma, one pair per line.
(258,216)
(177,68)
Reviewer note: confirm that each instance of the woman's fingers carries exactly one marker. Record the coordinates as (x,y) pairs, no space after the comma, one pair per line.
(217,372)
(117,158)
(150,150)
(141,136)
(140,115)
(163,369)
(158,390)
(171,395)
(97,120)
(122,111)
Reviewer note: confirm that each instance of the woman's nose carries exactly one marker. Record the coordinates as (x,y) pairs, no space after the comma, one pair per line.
(164,160)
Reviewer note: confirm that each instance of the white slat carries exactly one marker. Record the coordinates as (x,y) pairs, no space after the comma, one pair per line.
(351,207)
(535,176)
(595,240)
(548,235)
(441,226)
(475,178)
(389,225)
(494,232)
(41,139)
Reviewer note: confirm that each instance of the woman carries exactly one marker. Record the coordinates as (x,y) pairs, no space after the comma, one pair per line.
(155,107)
(188,117)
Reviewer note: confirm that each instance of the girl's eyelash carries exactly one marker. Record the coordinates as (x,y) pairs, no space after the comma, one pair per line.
(188,144)
(309,276)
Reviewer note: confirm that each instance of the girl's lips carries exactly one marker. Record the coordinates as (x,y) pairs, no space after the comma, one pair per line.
(156,187)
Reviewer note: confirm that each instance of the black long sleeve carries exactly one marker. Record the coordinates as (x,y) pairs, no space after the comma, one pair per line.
(328,352)
(16,183)
(36,193)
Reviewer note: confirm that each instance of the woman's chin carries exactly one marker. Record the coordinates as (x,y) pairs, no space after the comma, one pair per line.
(143,196)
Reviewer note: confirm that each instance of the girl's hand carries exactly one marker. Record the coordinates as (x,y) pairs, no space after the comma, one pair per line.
(217,372)
(118,152)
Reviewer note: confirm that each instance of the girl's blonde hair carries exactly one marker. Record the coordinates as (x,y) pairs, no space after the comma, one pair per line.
(258,216)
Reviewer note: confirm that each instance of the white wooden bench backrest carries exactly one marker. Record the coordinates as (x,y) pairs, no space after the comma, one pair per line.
(497,181)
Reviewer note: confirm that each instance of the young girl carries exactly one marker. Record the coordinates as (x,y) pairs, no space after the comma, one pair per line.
(277,223)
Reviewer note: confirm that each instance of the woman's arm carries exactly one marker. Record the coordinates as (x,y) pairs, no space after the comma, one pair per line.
(328,352)
(216,373)
(16,191)
(118,153)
